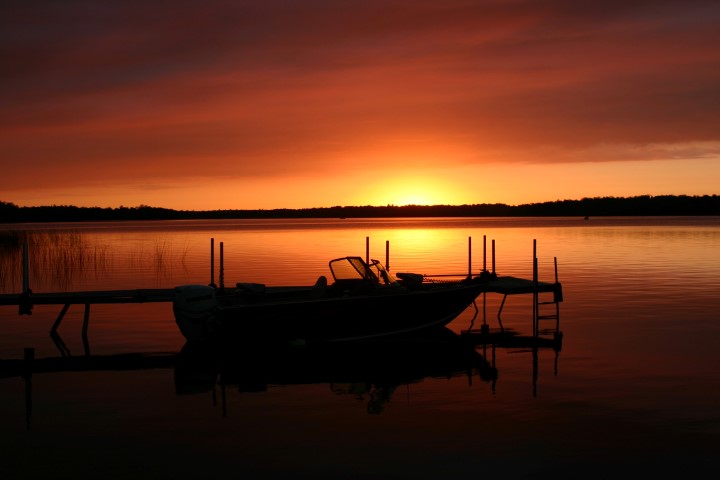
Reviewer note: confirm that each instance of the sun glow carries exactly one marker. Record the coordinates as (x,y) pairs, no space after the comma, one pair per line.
(412,199)
(413,191)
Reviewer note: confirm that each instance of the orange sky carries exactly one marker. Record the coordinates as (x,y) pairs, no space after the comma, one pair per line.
(212,104)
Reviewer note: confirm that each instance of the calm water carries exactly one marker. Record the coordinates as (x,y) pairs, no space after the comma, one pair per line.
(635,386)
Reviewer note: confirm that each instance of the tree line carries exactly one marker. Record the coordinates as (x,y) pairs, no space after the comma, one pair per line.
(643,205)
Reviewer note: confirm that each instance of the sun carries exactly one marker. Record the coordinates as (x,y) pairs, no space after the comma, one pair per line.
(413,191)
(412,198)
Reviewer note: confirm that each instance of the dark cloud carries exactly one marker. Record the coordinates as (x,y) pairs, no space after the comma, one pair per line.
(126,86)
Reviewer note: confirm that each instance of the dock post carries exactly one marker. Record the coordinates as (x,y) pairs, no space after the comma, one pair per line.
(221,277)
(387,255)
(484,253)
(557,297)
(493,255)
(469,257)
(367,250)
(535,289)
(25,305)
(26,269)
(212,262)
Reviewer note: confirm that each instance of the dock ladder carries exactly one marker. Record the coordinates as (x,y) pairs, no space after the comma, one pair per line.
(557,297)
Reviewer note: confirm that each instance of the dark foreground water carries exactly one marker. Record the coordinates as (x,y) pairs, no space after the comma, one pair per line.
(633,388)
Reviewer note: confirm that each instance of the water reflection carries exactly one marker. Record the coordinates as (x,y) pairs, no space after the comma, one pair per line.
(371,371)
(368,370)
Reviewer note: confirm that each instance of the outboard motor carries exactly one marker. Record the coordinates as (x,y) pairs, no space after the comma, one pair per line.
(194,308)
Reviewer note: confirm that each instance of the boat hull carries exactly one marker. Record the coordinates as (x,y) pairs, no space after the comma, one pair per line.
(350,318)
(346,317)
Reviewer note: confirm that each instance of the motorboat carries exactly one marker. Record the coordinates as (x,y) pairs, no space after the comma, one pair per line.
(363,300)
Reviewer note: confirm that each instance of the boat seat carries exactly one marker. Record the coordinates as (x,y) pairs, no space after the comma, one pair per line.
(250,289)
(318,290)
(412,281)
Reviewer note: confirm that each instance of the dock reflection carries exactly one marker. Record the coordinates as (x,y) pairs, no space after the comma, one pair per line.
(372,370)
(369,368)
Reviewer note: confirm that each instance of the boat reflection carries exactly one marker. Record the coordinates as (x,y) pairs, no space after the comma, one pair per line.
(370,369)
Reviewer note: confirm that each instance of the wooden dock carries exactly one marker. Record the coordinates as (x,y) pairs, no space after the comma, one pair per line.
(90,297)
(27,300)
(506,286)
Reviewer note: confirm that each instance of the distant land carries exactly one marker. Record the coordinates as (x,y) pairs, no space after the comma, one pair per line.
(643,205)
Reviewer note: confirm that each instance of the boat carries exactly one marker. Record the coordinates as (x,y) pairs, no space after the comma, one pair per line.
(363,300)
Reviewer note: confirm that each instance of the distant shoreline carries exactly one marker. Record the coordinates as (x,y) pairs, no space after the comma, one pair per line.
(645,205)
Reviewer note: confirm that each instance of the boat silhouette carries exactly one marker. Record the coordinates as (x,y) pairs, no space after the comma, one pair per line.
(363,300)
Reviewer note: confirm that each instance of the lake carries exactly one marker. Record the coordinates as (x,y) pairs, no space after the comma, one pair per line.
(632,387)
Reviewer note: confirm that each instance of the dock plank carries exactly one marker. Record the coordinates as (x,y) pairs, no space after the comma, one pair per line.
(515,285)
(90,297)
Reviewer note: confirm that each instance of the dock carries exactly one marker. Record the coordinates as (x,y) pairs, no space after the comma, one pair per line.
(26,300)
(504,285)
(90,297)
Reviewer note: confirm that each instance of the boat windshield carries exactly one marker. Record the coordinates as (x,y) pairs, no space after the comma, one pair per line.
(379,270)
(355,268)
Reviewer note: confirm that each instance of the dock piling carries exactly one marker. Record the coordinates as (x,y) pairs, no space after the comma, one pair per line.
(469,257)
(493,255)
(25,304)
(535,290)
(484,253)
(221,276)
(212,263)
(26,269)
(367,249)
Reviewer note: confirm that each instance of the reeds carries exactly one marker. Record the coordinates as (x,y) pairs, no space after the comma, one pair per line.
(56,258)
(61,259)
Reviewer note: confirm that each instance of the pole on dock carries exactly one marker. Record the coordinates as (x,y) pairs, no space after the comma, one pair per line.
(387,255)
(212,262)
(535,289)
(26,269)
(535,270)
(493,256)
(25,305)
(484,253)
(469,257)
(221,278)
(367,250)
(557,297)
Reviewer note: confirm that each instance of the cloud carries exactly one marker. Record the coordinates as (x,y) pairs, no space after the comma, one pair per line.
(130,89)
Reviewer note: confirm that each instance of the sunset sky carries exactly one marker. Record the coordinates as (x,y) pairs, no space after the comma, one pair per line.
(203,105)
